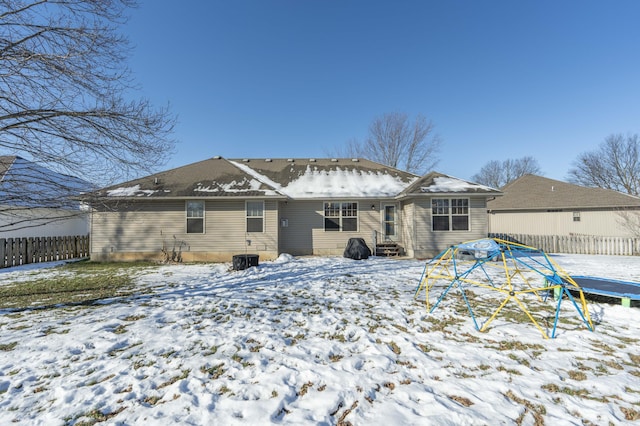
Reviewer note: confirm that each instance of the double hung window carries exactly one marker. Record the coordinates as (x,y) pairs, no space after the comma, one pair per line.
(450,214)
(341,216)
(255,216)
(195,217)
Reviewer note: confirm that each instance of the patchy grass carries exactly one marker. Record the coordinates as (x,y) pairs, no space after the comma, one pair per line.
(74,283)
(536,411)
(630,414)
(8,346)
(305,388)
(214,372)
(465,402)
(92,417)
(577,375)
(395,348)
(184,375)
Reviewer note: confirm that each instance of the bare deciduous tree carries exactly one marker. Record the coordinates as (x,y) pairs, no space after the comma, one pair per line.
(65,91)
(630,221)
(497,174)
(32,196)
(396,141)
(614,165)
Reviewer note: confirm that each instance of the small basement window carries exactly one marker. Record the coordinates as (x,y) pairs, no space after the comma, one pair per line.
(195,217)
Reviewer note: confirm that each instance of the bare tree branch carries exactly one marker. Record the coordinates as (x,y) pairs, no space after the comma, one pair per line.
(630,221)
(64,88)
(67,99)
(497,174)
(614,165)
(397,142)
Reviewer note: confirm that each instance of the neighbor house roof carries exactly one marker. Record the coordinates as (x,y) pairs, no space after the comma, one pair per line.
(5,164)
(531,192)
(27,184)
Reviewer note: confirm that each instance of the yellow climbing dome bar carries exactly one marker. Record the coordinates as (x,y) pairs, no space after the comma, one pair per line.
(504,271)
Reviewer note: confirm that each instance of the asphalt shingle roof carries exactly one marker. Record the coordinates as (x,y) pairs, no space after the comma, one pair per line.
(531,192)
(292,178)
(438,183)
(220,177)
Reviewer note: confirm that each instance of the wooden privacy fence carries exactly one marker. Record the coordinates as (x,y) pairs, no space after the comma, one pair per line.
(577,244)
(21,251)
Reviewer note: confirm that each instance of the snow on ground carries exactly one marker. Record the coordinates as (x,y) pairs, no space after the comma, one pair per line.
(313,341)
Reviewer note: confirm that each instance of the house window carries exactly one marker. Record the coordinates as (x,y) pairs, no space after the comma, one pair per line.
(195,217)
(450,214)
(576,216)
(341,216)
(255,216)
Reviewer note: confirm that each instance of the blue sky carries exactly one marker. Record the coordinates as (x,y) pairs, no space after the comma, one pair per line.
(285,78)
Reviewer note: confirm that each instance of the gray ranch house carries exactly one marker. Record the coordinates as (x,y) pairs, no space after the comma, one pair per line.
(217,208)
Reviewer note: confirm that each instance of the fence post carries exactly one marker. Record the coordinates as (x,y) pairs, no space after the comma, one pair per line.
(65,247)
(50,243)
(28,251)
(36,249)
(3,252)
(23,250)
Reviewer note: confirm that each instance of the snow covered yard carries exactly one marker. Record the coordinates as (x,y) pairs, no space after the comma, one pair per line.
(313,341)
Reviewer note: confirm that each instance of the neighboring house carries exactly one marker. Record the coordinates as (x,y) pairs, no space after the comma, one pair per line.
(38,202)
(536,205)
(216,208)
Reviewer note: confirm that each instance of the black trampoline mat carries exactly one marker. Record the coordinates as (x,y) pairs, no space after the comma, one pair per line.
(607,286)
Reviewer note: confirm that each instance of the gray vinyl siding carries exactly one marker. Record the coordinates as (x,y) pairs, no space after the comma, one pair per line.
(147,227)
(302,218)
(141,229)
(597,223)
(408,228)
(429,243)
(305,234)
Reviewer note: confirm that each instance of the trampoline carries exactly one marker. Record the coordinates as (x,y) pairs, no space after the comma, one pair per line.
(624,290)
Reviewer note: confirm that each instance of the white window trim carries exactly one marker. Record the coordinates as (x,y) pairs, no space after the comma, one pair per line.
(450,214)
(187,217)
(246,216)
(340,217)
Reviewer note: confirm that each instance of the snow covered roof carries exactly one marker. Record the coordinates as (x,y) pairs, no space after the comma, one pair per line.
(438,183)
(285,178)
(322,178)
(28,184)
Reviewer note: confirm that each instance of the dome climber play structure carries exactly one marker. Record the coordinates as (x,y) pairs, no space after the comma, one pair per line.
(490,274)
